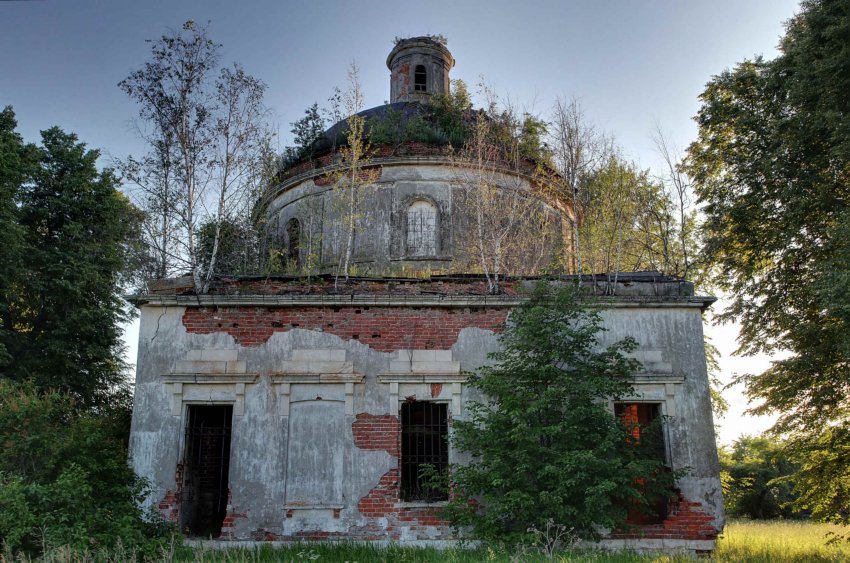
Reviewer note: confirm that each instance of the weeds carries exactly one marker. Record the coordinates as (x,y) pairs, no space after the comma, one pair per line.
(744,541)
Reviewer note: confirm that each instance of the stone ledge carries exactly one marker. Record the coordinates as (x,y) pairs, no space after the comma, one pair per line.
(420,378)
(429,367)
(209,378)
(652,545)
(209,366)
(316,366)
(448,301)
(650,377)
(313,506)
(317,378)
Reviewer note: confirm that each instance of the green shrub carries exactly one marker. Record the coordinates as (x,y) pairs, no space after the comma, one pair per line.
(544,447)
(64,477)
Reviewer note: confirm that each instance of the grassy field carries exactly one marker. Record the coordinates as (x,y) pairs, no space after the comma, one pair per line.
(743,541)
(780,541)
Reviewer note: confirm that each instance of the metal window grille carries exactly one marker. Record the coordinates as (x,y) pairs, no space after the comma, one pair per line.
(419,78)
(424,442)
(206,466)
(421,229)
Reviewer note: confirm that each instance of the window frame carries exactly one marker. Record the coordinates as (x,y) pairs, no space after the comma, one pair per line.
(420,86)
(635,517)
(425,249)
(445,436)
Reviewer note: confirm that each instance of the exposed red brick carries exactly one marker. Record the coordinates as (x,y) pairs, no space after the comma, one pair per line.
(230,518)
(382,498)
(382,501)
(385,329)
(377,432)
(404,79)
(685,520)
(169,507)
(436,389)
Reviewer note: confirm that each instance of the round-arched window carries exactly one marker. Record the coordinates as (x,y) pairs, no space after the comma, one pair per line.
(421,229)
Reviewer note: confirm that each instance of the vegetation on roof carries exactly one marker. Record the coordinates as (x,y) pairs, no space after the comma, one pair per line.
(446,120)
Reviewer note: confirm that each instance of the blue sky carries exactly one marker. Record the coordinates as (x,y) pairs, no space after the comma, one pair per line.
(632,64)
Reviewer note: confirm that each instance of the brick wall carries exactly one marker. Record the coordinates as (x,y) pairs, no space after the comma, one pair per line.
(685,520)
(382,432)
(377,432)
(169,507)
(385,329)
(382,502)
(228,525)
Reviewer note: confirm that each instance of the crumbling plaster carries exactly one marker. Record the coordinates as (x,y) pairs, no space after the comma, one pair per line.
(264,484)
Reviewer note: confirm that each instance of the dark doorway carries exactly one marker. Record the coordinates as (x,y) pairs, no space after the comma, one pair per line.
(424,442)
(206,463)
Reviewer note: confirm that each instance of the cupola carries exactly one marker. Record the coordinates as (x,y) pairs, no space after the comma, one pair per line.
(419,67)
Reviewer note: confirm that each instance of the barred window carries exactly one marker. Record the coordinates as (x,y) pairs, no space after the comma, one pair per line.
(424,444)
(421,229)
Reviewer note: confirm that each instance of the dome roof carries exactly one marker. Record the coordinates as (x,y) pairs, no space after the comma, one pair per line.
(405,110)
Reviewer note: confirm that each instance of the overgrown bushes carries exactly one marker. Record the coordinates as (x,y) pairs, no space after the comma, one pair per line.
(64,477)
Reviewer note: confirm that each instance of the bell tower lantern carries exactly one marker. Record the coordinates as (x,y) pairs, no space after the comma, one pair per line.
(419,67)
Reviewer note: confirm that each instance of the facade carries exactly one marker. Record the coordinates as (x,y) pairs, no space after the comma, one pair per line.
(281,408)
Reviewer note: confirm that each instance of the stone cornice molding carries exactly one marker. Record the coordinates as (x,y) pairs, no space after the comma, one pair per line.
(380,161)
(447,301)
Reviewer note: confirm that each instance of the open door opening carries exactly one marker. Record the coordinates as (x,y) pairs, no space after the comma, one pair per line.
(206,463)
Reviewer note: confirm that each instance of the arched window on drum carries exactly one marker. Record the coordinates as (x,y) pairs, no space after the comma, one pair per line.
(293,241)
(421,229)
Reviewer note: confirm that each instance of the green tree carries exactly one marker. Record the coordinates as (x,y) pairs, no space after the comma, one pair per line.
(237,251)
(307,131)
(63,309)
(208,147)
(543,444)
(354,176)
(753,473)
(771,167)
(630,223)
(17,162)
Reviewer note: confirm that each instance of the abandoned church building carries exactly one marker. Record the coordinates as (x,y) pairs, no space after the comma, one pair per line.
(281,408)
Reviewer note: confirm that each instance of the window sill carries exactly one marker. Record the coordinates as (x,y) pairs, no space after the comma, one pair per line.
(422,504)
(422,259)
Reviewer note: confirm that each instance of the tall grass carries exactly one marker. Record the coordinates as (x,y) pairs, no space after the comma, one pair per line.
(781,541)
(744,541)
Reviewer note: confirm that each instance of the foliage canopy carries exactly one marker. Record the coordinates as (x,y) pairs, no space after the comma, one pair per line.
(772,169)
(72,239)
(752,473)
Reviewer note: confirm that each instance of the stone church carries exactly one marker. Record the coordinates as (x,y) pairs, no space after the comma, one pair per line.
(285,408)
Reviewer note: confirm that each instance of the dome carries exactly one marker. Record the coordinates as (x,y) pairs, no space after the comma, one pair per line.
(422,207)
